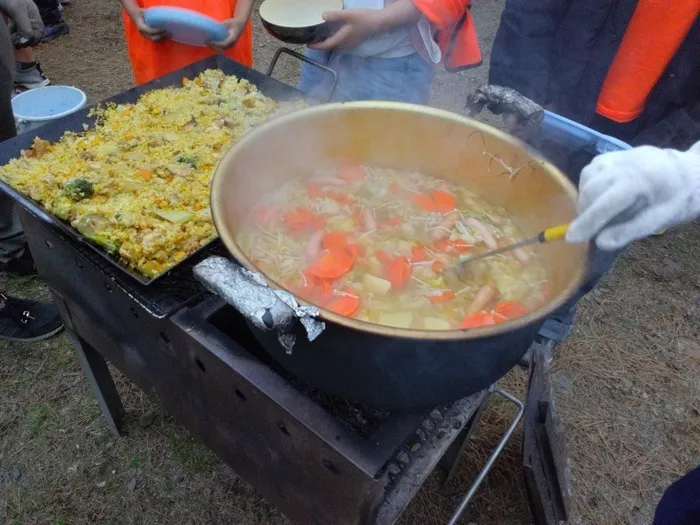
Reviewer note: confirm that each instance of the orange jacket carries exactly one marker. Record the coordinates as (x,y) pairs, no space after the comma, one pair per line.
(456,32)
(150,60)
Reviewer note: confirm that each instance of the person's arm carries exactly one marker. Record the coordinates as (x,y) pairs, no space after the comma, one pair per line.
(663,185)
(235,25)
(360,24)
(522,49)
(136,14)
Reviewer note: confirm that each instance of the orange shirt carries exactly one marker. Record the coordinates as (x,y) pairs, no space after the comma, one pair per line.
(655,32)
(150,60)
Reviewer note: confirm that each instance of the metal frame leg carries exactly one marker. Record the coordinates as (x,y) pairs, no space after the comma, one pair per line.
(489,463)
(98,375)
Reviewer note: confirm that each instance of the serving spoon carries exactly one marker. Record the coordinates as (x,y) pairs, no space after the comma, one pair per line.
(555,233)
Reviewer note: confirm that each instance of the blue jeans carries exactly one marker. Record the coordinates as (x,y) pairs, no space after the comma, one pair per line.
(403,79)
(558,325)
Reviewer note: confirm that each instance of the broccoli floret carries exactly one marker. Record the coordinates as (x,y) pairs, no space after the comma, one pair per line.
(78,189)
(190,160)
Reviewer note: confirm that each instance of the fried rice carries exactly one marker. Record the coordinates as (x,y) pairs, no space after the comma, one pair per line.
(146,168)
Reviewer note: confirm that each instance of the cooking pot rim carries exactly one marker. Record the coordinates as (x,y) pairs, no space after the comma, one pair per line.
(447,335)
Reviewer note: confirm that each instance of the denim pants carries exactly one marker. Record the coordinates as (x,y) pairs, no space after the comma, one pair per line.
(403,79)
(558,325)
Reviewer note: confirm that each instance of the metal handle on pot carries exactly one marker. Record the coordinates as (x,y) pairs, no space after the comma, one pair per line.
(309,61)
(268,309)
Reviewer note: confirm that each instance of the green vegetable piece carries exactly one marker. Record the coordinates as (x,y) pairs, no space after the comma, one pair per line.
(78,189)
(111,247)
(175,216)
(190,160)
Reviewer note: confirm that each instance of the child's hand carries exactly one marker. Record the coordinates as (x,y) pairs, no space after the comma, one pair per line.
(357,26)
(153,34)
(235,27)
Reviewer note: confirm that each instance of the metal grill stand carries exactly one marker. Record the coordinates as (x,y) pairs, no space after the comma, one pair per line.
(302,450)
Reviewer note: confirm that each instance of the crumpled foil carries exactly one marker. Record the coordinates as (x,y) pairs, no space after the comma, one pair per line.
(266,308)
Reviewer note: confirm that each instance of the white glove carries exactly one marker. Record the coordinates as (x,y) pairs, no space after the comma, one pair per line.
(663,185)
(25,17)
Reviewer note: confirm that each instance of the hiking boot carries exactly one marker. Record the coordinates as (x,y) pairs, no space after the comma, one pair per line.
(30,76)
(52,32)
(28,321)
(22,265)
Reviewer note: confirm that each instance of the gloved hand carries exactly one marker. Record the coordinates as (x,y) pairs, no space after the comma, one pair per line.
(663,183)
(25,20)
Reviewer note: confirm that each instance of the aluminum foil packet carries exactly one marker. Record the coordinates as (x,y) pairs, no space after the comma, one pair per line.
(268,309)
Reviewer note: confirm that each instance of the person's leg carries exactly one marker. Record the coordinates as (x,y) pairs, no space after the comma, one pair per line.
(558,325)
(680,504)
(20,320)
(314,81)
(28,72)
(54,24)
(403,79)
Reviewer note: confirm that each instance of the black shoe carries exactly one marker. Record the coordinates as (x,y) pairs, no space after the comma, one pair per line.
(22,320)
(23,265)
(52,32)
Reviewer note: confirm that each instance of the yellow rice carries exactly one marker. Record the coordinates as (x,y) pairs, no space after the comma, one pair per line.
(133,158)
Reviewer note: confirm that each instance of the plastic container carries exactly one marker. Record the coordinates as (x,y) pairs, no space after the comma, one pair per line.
(39,106)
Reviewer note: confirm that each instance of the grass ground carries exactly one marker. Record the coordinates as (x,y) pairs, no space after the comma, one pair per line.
(627,380)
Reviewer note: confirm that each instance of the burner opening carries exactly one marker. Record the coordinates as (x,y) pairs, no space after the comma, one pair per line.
(362,420)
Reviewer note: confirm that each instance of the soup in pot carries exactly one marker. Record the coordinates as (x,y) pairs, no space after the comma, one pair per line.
(382,246)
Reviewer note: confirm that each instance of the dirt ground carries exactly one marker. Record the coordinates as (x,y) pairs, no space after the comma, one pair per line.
(627,380)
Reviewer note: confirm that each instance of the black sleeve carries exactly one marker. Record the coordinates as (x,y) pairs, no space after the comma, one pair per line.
(522,49)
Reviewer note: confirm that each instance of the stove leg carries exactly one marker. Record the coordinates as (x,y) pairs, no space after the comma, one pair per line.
(97,372)
(492,458)
(95,369)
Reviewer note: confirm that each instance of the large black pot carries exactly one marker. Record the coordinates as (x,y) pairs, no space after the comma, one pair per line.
(391,367)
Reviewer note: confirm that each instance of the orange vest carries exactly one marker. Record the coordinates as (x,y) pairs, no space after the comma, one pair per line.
(150,60)
(655,32)
(456,32)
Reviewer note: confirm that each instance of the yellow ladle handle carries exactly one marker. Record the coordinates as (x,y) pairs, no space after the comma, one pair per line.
(555,233)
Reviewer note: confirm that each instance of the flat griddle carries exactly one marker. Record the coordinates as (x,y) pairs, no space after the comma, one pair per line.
(54,130)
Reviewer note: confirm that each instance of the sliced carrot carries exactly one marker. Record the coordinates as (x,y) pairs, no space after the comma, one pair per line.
(442,298)
(438,266)
(324,292)
(315,191)
(298,218)
(331,265)
(335,241)
(443,245)
(382,256)
(144,174)
(418,254)
(341,198)
(481,319)
(444,201)
(346,305)
(352,173)
(354,249)
(391,222)
(398,272)
(319,222)
(510,309)
(424,203)
(394,186)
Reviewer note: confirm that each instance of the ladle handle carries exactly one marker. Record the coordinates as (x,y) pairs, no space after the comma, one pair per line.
(555,233)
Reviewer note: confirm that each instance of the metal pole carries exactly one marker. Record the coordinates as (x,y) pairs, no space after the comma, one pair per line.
(494,455)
